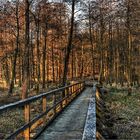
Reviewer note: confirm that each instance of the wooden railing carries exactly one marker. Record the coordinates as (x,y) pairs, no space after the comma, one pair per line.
(50,104)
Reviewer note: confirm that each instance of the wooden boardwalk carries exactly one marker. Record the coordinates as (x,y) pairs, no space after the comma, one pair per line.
(69,125)
(71,115)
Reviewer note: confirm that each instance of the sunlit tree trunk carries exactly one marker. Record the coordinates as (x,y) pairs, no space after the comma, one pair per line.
(69,45)
(91,41)
(100,79)
(38,50)
(52,54)
(129,44)
(44,60)
(15,51)
(82,61)
(26,76)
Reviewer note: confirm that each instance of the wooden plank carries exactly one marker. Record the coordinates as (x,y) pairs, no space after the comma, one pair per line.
(44,107)
(66,94)
(44,103)
(27,120)
(36,124)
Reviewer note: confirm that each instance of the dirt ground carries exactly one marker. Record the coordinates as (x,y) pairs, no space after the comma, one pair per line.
(126,113)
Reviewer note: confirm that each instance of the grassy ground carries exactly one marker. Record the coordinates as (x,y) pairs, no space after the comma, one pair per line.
(16,96)
(126,112)
(14,119)
(11,120)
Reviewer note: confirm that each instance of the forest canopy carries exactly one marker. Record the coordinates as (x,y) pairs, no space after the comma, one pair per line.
(52,41)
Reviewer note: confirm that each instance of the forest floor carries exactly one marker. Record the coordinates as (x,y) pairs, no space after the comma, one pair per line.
(126,113)
(16,96)
(13,119)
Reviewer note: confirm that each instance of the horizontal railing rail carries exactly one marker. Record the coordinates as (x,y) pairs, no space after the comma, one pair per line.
(59,98)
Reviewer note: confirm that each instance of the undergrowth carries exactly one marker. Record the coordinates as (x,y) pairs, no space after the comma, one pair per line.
(126,111)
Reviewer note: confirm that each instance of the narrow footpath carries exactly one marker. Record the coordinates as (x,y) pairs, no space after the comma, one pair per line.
(69,125)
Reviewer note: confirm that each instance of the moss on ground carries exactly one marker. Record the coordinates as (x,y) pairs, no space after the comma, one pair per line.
(126,112)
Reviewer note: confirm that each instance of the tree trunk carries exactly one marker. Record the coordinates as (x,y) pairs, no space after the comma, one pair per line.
(44,62)
(26,78)
(53,70)
(38,53)
(91,41)
(15,52)
(69,45)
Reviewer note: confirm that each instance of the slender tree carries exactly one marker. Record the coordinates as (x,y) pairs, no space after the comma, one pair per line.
(69,44)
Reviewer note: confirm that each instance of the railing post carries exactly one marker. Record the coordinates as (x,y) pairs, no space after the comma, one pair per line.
(27,120)
(71,88)
(54,102)
(44,106)
(79,88)
(74,90)
(66,94)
